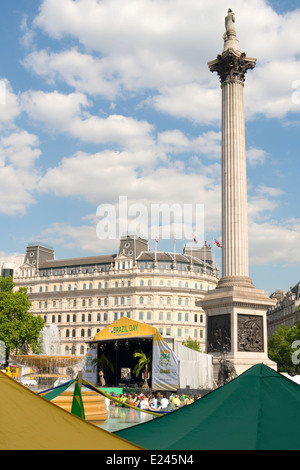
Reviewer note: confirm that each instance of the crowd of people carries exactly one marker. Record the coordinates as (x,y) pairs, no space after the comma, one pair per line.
(152,401)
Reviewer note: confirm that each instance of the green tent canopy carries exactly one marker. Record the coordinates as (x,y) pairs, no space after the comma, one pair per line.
(259,410)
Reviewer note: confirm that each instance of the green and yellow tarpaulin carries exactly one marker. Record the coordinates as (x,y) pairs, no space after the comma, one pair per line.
(29,422)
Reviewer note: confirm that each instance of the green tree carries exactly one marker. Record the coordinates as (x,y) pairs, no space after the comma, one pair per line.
(18,327)
(143,364)
(282,348)
(191,344)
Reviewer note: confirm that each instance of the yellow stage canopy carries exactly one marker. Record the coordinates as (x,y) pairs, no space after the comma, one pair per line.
(165,372)
(127,328)
(30,422)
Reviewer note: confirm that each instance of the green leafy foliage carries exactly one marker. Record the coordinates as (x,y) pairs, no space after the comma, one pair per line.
(191,344)
(17,325)
(282,348)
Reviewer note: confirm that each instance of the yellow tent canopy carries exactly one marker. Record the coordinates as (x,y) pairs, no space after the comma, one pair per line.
(127,328)
(30,422)
(164,361)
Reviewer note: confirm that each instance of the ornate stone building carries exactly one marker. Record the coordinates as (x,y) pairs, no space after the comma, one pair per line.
(84,295)
(285,312)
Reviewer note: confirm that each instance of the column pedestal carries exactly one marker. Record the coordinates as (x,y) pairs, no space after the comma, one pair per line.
(237,325)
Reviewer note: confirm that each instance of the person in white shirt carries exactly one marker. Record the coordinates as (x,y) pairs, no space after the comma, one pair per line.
(164,403)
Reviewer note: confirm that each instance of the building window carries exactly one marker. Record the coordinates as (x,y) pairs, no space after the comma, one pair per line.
(99,285)
(179,301)
(128,300)
(115,316)
(168,316)
(160,316)
(105,317)
(168,331)
(82,333)
(98,317)
(179,316)
(148,316)
(141,300)
(186,317)
(168,300)
(141,316)
(195,318)
(161,301)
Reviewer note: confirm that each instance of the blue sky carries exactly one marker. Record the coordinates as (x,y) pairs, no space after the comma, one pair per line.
(110,98)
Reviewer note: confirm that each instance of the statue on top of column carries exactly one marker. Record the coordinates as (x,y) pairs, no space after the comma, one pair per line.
(229,25)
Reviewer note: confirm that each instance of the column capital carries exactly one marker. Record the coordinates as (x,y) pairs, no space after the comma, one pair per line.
(232,66)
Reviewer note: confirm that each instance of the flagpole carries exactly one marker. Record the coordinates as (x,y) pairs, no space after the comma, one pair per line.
(79,380)
(175,248)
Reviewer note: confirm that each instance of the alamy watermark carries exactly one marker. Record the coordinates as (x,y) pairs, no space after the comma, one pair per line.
(296,354)
(296,93)
(152,221)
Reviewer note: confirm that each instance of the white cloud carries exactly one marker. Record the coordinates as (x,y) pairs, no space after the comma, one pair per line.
(55,110)
(164,47)
(273,242)
(18,173)
(256,156)
(9,105)
(66,113)
(81,237)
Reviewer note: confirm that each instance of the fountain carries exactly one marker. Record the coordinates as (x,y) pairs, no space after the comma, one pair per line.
(49,366)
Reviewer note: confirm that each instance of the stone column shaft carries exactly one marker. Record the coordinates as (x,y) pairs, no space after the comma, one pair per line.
(234,184)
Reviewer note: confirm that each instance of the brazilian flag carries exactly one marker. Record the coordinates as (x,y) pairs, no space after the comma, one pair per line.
(77,403)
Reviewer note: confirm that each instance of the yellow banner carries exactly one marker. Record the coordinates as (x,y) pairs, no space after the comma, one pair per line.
(127,328)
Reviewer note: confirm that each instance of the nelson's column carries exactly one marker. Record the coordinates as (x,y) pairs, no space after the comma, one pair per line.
(236,310)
